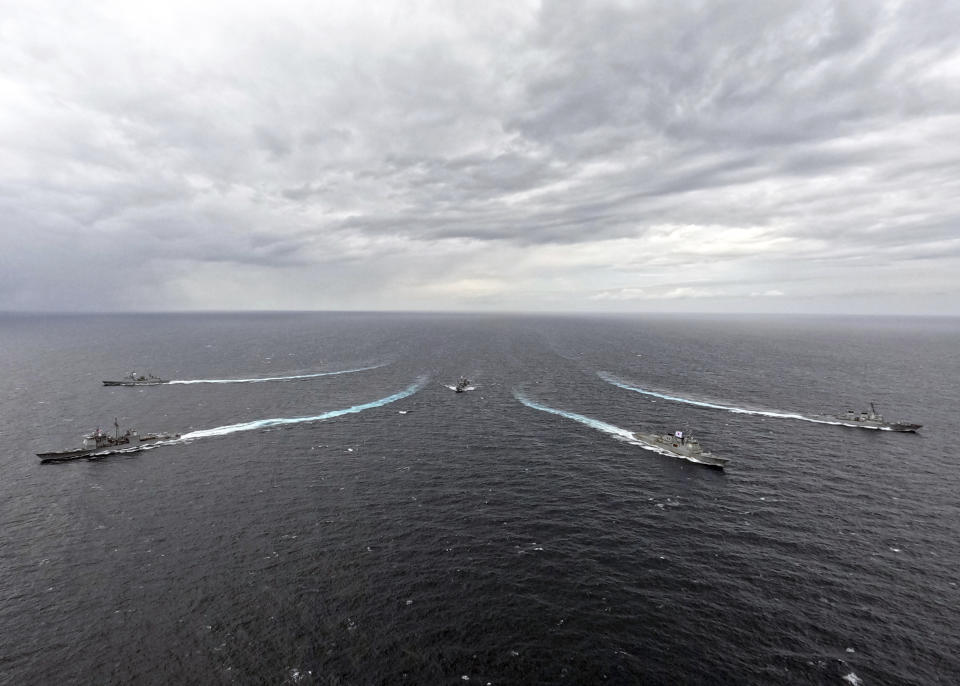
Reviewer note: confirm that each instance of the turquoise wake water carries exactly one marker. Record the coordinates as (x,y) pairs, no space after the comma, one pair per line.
(589,421)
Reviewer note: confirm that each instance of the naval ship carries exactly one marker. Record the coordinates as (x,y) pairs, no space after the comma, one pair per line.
(99,443)
(134,379)
(686,448)
(462,385)
(872,420)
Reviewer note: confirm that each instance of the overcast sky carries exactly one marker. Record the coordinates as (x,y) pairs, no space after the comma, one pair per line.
(623,156)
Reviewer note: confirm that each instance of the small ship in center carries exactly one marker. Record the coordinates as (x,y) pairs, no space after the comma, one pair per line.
(463,385)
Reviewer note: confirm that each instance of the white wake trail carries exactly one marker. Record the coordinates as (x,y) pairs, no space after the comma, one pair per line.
(610,429)
(277,378)
(283,421)
(589,421)
(609,378)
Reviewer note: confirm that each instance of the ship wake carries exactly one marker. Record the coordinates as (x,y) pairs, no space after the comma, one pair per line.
(607,428)
(277,378)
(609,378)
(285,421)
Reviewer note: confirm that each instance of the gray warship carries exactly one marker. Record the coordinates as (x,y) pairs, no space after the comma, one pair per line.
(872,420)
(680,446)
(134,379)
(99,443)
(462,385)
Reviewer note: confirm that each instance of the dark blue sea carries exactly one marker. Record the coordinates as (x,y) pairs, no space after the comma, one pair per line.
(372,527)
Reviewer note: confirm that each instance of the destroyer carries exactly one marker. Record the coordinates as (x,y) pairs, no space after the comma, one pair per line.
(134,379)
(680,446)
(872,420)
(99,443)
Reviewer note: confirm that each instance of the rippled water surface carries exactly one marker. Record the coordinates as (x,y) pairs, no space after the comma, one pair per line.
(370,526)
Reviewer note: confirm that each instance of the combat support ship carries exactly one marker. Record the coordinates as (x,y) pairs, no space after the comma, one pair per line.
(873,420)
(99,443)
(686,448)
(134,379)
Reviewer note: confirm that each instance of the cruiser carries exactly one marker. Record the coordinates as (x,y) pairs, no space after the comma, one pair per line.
(462,385)
(99,443)
(681,446)
(134,379)
(873,420)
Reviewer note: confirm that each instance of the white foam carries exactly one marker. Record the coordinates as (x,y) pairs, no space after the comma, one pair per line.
(283,421)
(609,378)
(277,378)
(589,421)
(615,431)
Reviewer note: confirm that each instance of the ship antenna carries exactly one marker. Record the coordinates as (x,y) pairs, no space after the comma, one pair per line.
(116,425)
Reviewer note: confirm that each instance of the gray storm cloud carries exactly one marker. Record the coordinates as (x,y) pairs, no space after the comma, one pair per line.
(709,156)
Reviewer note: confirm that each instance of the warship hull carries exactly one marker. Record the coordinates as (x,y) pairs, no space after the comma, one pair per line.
(674,447)
(152,382)
(855,422)
(905,428)
(877,426)
(65,455)
(115,446)
(870,420)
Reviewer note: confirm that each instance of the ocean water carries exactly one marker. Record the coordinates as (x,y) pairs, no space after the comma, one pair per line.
(361,524)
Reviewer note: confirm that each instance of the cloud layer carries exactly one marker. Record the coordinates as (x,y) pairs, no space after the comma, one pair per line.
(712,156)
